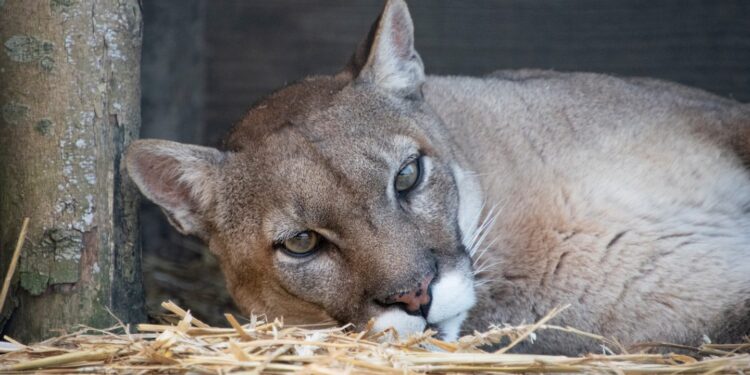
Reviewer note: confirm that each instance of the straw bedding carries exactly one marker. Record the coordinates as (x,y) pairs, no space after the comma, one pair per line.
(186,344)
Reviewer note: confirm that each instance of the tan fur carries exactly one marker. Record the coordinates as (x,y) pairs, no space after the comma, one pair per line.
(631,205)
(627,198)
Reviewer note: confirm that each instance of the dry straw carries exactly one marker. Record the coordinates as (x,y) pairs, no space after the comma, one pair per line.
(13,263)
(259,346)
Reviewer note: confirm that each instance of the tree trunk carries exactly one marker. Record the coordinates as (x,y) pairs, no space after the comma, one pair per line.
(70,101)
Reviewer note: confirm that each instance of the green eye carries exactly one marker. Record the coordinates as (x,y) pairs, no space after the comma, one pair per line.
(407,177)
(302,244)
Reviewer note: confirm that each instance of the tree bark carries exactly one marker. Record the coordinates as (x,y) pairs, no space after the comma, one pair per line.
(70,101)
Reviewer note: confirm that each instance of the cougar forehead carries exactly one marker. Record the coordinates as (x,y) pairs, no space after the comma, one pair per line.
(320,137)
(283,108)
(328,109)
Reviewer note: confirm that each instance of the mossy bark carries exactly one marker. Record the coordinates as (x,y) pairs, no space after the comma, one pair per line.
(70,102)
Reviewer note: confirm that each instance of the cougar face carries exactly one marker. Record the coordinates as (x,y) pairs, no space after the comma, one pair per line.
(336,197)
(334,173)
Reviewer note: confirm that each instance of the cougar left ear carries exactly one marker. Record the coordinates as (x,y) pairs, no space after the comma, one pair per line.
(387,58)
(180,178)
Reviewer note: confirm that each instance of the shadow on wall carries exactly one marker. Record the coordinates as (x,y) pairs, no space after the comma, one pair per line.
(206,62)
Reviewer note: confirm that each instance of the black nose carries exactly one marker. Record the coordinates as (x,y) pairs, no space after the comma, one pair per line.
(414,301)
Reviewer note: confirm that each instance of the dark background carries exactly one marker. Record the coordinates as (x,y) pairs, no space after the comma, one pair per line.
(206,62)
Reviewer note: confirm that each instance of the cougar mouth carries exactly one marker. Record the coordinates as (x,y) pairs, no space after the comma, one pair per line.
(452,297)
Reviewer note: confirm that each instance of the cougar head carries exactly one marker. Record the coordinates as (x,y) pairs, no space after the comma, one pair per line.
(338,197)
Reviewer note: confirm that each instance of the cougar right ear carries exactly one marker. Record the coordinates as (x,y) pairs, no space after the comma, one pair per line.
(180,178)
(387,58)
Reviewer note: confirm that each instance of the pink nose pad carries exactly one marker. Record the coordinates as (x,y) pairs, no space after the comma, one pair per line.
(414,300)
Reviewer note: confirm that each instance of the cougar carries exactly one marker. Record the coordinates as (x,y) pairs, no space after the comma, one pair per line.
(453,203)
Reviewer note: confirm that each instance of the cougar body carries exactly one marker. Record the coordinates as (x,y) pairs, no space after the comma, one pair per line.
(627,199)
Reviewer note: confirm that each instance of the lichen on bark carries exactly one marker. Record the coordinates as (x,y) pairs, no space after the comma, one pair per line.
(14,113)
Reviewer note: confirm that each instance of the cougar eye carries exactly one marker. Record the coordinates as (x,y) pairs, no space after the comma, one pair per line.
(302,244)
(407,177)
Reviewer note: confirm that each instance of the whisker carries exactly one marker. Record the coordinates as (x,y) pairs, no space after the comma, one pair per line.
(480,229)
(484,251)
(483,282)
(483,230)
(486,266)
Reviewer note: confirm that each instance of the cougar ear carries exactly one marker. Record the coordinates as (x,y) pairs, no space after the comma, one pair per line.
(387,57)
(180,178)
